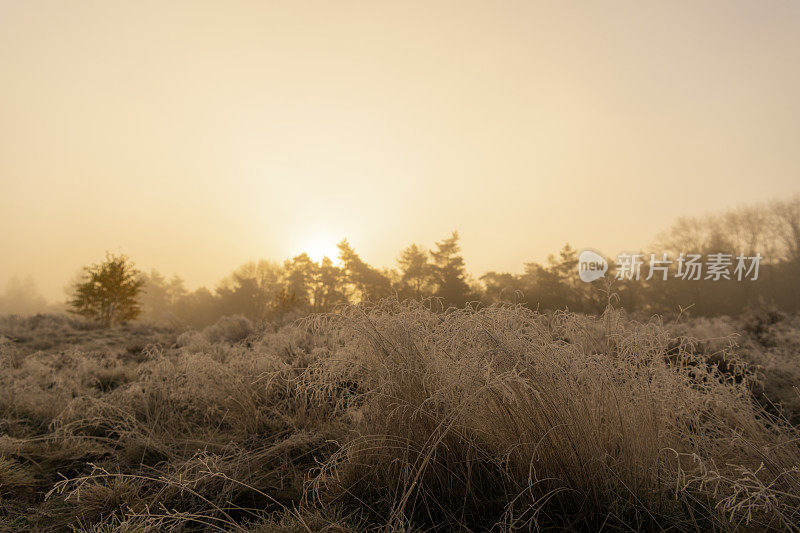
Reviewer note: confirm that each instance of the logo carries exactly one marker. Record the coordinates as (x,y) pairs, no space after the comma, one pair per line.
(591,266)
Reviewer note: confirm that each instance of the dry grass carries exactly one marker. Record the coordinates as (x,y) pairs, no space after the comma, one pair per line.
(392,418)
(505,417)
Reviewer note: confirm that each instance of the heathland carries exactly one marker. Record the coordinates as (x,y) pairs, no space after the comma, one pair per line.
(402,417)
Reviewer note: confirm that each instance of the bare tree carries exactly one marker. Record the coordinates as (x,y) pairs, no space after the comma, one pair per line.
(786,219)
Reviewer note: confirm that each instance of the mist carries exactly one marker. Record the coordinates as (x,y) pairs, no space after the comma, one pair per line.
(257,131)
(359,266)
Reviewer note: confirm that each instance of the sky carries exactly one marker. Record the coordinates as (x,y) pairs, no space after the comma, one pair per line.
(195,136)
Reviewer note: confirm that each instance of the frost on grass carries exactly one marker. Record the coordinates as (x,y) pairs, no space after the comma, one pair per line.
(395,416)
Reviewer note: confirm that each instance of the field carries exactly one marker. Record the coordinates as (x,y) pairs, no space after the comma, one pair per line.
(395,417)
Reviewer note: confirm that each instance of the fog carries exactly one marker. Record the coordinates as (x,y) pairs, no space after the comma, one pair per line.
(195,137)
(360,265)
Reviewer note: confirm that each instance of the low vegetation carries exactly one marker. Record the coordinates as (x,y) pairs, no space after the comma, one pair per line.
(401,417)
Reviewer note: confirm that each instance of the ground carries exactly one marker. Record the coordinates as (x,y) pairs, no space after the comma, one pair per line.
(397,418)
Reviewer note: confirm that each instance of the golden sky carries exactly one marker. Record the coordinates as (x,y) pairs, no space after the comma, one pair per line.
(194,136)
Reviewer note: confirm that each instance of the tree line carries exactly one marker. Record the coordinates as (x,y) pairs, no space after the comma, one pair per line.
(771,230)
(266,290)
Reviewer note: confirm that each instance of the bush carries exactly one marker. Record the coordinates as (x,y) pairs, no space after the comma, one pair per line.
(758,321)
(230,329)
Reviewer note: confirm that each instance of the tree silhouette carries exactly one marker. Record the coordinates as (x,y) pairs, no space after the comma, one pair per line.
(284,302)
(109,291)
(250,289)
(502,287)
(299,277)
(415,270)
(449,273)
(329,287)
(369,284)
(787,227)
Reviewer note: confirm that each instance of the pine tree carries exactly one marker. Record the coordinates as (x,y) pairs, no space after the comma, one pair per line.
(449,272)
(369,284)
(415,269)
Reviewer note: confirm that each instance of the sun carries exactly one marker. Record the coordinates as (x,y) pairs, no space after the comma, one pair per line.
(318,247)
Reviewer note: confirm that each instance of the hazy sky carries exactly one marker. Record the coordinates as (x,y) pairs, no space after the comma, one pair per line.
(195,136)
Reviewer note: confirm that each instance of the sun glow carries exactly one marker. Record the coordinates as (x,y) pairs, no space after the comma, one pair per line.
(319,247)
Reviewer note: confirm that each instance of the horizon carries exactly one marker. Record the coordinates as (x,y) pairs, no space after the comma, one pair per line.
(320,250)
